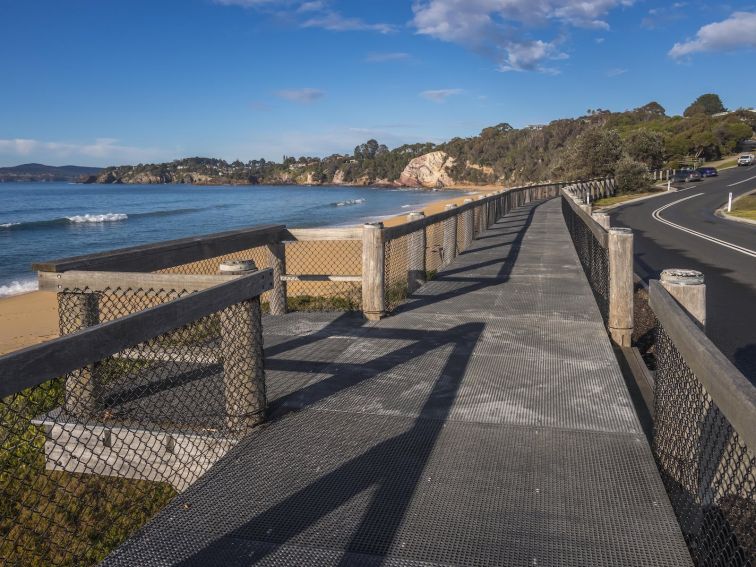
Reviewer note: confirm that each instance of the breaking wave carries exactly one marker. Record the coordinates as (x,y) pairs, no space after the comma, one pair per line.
(16,287)
(91,219)
(350,202)
(108,217)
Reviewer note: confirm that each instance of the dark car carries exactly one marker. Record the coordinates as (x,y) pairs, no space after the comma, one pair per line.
(708,171)
(686,175)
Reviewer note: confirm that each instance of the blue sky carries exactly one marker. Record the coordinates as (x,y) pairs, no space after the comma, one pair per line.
(102,82)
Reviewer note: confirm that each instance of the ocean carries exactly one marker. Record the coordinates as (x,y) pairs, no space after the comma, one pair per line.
(47,221)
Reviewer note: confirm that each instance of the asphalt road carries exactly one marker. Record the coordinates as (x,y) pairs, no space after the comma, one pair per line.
(665,237)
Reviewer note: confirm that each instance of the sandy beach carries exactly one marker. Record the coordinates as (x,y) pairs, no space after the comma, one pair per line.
(32,318)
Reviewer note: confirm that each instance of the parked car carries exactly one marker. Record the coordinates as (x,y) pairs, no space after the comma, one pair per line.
(684,176)
(746,159)
(708,171)
(694,176)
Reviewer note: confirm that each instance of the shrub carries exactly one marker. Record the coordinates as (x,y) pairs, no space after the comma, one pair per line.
(631,176)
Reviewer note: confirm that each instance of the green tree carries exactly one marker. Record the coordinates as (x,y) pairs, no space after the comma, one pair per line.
(646,147)
(705,104)
(596,152)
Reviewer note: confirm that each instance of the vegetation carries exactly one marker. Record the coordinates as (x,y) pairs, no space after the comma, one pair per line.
(705,104)
(591,145)
(50,517)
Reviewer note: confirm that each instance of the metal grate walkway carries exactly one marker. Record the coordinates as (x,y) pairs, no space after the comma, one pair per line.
(486,423)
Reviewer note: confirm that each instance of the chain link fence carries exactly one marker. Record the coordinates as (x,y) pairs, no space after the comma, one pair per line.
(707,469)
(594,258)
(332,259)
(309,263)
(88,456)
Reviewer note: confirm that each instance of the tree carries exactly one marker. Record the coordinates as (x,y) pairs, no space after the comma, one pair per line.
(705,104)
(652,109)
(646,147)
(631,176)
(596,152)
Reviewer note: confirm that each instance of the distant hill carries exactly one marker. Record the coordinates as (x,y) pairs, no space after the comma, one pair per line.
(41,172)
(500,155)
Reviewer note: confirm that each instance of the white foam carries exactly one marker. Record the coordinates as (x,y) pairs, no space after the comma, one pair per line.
(16,287)
(351,202)
(9,224)
(108,217)
(406,206)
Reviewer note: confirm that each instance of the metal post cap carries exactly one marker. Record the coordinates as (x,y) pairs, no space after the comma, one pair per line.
(681,276)
(416,214)
(374,224)
(468,201)
(451,206)
(237,266)
(620,230)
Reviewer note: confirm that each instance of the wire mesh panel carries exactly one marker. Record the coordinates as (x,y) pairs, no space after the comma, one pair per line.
(324,258)
(594,258)
(88,457)
(709,473)
(399,256)
(210,266)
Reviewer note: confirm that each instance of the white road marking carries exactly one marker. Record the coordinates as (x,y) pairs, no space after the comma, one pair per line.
(657,215)
(744,181)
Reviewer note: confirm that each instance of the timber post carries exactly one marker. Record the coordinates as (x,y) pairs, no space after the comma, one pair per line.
(689,290)
(82,390)
(468,228)
(450,237)
(242,351)
(373,272)
(479,216)
(277,261)
(603,219)
(620,243)
(416,244)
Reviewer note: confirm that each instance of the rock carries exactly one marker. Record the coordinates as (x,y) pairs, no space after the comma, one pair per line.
(429,170)
(338,178)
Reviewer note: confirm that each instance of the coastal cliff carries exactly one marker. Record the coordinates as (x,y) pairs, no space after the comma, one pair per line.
(430,171)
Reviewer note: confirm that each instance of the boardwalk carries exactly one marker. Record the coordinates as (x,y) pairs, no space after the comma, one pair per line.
(486,423)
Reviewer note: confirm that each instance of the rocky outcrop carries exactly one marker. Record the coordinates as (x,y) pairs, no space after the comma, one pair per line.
(429,170)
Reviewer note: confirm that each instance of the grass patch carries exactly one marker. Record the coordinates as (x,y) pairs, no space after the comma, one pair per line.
(616,199)
(745,207)
(51,517)
(318,303)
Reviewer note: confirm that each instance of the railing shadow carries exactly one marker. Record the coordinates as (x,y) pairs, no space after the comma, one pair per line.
(392,468)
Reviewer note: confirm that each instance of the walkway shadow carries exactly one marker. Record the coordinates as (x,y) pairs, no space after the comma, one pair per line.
(507,262)
(392,468)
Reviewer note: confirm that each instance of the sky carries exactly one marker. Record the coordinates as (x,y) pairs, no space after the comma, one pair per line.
(106,82)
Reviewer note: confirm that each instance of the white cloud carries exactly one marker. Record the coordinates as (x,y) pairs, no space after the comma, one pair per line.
(496,27)
(616,72)
(735,33)
(528,55)
(103,151)
(311,14)
(333,21)
(303,96)
(379,57)
(440,95)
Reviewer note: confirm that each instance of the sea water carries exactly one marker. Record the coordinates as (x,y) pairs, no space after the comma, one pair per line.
(47,221)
